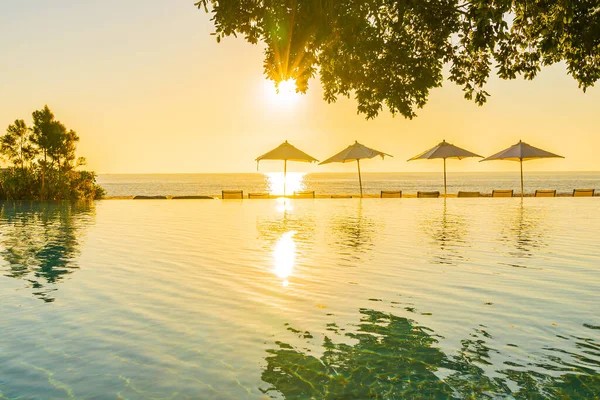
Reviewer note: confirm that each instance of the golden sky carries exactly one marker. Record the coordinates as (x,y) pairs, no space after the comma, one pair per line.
(149,90)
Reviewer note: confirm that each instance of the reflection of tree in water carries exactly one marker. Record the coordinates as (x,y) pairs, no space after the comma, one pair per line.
(447,231)
(40,241)
(396,358)
(524,232)
(353,234)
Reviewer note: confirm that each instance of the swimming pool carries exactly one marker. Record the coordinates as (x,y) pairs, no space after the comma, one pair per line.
(389,298)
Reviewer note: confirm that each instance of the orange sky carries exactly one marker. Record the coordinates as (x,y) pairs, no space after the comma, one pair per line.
(149,90)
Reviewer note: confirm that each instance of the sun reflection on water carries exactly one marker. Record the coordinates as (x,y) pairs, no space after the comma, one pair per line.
(294,182)
(284,256)
(284,204)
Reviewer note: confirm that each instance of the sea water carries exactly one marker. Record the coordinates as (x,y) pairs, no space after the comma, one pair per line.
(342,183)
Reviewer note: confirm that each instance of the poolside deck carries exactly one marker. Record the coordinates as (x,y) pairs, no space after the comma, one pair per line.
(334,196)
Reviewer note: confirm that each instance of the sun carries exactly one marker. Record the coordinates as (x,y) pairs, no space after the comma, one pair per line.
(285,95)
(287,88)
(294,182)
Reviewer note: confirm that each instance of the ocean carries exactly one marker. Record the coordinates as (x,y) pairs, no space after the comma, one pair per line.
(341,183)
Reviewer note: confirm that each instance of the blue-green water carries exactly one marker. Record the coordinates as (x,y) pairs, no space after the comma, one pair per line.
(339,299)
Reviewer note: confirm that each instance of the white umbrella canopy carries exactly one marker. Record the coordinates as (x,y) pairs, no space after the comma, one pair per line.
(444,150)
(521,152)
(355,152)
(286,152)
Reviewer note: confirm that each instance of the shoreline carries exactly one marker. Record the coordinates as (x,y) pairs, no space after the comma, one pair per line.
(319,196)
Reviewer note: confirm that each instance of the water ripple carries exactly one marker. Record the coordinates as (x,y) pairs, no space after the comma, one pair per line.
(317,299)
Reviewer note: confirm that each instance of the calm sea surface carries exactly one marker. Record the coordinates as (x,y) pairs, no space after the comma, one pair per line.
(340,183)
(336,299)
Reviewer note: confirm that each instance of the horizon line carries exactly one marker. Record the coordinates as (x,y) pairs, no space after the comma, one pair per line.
(331,172)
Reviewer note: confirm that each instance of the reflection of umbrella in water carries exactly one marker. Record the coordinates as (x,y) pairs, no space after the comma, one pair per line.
(355,152)
(286,152)
(444,150)
(527,231)
(271,229)
(447,231)
(354,232)
(521,152)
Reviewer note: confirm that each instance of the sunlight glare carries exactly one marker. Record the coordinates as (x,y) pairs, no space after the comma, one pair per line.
(285,95)
(284,256)
(294,183)
(284,204)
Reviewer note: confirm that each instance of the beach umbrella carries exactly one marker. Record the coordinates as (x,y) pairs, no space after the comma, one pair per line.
(521,152)
(286,152)
(444,150)
(355,152)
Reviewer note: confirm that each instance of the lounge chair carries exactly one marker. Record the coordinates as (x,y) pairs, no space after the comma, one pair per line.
(150,198)
(259,196)
(232,194)
(583,192)
(428,195)
(545,193)
(468,194)
(341,196)
(391,194)
(502,193)
(308,194)
(193,198)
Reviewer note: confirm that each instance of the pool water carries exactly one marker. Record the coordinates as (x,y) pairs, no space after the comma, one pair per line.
(337,299)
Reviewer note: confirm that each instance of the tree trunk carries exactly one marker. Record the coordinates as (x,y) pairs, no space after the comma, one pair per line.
(43,175)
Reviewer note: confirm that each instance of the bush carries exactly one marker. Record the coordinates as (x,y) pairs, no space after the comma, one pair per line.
(26,184)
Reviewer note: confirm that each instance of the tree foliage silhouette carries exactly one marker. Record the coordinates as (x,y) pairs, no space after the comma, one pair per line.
(393,52)
(43,162)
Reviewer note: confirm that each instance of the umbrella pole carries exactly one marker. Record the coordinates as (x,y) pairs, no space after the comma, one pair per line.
(521,162)
(284,176)
(445,190)
(359,178)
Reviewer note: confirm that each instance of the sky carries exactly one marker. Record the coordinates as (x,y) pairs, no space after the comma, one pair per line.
(149,90)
